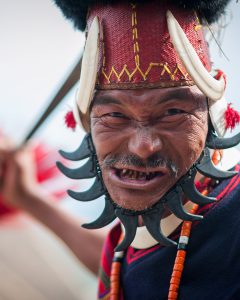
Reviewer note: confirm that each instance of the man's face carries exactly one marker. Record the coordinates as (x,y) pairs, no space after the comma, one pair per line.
(146,140)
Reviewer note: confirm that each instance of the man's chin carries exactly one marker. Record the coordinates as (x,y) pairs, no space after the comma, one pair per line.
(136,200)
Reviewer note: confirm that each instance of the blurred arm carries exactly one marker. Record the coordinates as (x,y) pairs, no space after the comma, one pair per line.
(20,189)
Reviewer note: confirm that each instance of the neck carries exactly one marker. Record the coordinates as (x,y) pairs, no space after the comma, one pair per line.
(143,238)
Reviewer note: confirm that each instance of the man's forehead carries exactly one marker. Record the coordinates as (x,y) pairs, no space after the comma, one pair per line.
(157,95)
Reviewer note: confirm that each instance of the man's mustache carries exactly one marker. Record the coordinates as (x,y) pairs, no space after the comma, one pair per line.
(131,160)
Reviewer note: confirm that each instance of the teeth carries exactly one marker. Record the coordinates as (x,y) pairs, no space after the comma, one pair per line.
(142,175)
(135,175)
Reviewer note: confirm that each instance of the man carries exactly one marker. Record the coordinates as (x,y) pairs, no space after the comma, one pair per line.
(152,110)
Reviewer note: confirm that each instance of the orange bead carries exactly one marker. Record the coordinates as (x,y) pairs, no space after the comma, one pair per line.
(115,286)
(174,287)
(114,278)
(195,207)
(177,274)
(114,293)
(175,280)
(181,253)
(185,228)
(185,232)
(217,156)
(172,295)
(179,260)
(115,271)
(116,265)
(187,224)
(178,267)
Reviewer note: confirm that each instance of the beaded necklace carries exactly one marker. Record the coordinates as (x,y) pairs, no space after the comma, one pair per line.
(180,256)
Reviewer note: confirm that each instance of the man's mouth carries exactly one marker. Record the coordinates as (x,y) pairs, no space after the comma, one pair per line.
(130,174)
(137,178)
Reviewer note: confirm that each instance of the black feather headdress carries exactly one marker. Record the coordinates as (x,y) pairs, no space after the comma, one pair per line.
(76,10)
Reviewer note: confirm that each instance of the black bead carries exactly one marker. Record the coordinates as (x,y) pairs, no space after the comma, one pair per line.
(182,246)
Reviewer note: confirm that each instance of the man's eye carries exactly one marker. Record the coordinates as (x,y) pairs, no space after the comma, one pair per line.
(116,115)
(174,111)
(114,120)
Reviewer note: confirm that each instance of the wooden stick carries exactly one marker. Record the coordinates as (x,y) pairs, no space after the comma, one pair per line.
(65,88)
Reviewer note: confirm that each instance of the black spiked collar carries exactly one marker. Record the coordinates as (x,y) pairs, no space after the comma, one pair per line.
(153,215)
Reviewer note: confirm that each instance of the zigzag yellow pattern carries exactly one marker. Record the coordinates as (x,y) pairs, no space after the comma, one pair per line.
(162,66)
(125,70)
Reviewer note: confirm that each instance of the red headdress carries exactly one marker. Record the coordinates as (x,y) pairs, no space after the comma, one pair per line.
(136,49)
(147,44)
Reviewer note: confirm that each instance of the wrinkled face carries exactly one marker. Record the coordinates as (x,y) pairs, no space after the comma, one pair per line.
(146,140)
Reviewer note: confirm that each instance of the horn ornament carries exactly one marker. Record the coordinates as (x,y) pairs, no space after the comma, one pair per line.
(152,222)
(86,171)
(83,151)
(217,114)
(215,142)
(88,76)
(212,88)
(95,191)
(106,217)
(174,203)
(207,168)
(130,224)
(189,189)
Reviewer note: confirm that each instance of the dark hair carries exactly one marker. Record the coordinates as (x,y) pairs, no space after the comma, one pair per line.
(76,10)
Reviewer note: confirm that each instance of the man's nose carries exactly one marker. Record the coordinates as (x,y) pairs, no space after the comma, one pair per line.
(144,142)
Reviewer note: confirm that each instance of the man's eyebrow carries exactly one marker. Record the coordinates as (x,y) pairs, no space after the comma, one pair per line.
(103,100)
(183,94)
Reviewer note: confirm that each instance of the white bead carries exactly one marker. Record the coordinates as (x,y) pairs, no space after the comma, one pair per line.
(183,239)
(119,254)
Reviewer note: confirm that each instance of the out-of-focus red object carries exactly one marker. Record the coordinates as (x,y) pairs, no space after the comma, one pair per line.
(47,172)
(232,117)
(70,120)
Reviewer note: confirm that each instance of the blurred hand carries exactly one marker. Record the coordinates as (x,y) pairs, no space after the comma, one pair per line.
(17,174)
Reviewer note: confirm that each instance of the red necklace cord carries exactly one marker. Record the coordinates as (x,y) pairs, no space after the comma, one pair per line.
(115,273)
(180,257)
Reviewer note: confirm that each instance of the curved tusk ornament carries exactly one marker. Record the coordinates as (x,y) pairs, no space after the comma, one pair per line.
(95,191)
(85,171)
(88,76)
(217,111)
(152,222)
(106,217)
(130,225)
(188,186)
(215,142)
(83,151)
(207,168)
(174,203)
(211,87)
